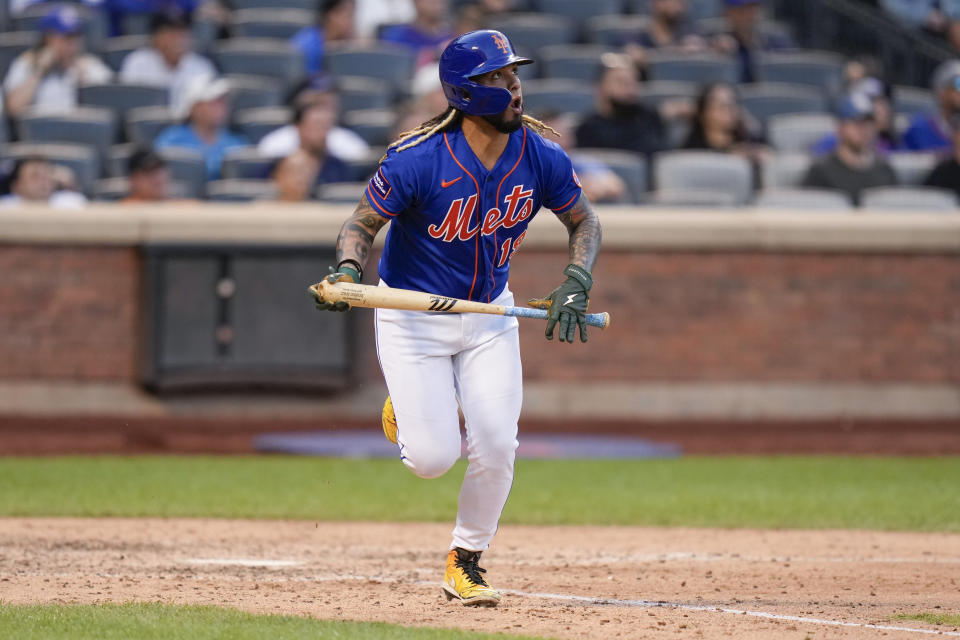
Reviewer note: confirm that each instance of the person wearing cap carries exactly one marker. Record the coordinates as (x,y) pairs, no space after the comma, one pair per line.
(169,60)
(946,175)
(47,76)
(854,165)
(342,142)
(334,24)
(933,131)
(205,112)
(149,176)
(881,95)
(745,38)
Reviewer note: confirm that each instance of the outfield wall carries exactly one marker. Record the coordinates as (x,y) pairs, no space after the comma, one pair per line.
(717,315)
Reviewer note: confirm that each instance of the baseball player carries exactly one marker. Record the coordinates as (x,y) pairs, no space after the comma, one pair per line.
(459,192)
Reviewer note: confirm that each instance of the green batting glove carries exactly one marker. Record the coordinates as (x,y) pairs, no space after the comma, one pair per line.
(568,304)
(344,274)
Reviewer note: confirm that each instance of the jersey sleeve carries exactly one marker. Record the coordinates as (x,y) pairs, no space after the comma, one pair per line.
(562,186)
(391,187)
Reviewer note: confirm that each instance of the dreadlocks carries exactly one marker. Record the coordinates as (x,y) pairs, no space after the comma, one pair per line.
(447,121)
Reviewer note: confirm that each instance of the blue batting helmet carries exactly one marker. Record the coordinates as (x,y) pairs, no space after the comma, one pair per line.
(471,55)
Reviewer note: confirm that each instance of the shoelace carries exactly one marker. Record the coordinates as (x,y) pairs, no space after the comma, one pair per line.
(470,567)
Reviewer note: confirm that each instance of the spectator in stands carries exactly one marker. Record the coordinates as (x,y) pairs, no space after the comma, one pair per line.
(295,177)
(334,24)
(669,29)
(47,76)
(35,180)
(168,61)
(343,143)
(427,34)
(599,181)
(620,120)
(881,94)
(946,175)
(854,165)
(373,14)
(932,131)
(149,177)
(314,121)
(721,124)
(745,38)
(205,112)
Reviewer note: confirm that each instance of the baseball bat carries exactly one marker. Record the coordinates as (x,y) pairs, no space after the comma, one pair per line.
(364,295)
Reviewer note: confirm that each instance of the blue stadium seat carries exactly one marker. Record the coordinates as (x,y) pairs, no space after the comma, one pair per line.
(144,124)
(655,92)
(12,44)
(240,190)
(117,159)
(678,171)
(615,31)
(696,10)
(572,62)
(579,10)
(817,68)
(265,57)
(390,63)
(84,126)
(373,125)
(256,123)
(271,23)
(565,96)
(245,163)
(785,170)
(913,100)
(254,92)
(114,50)
(630,167)
(188,167)
(908,200)
(530,32)
(799,131)
(700,68)
(767,99)
(83,160)
(120,98)
(341,192)
(358,92)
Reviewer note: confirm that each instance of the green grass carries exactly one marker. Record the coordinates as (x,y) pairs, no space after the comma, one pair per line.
(948,619)
(161,622)
(771,492)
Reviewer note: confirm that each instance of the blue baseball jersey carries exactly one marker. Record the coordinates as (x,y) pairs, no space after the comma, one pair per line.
(455,225)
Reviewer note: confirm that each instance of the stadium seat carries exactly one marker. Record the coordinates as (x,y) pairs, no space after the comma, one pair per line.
(785,170)
(803,199)
(114,50)
(122,97)
(12,44)
(530,32)
(245,163)
(909,199)
(306,5)
(240,190)
(144,124)
(389,63)
(692,198)
(615,31)
(655,92)
(697,9)
(271,23)
(711,27)
(254,92)
(365,167)
(342,192)
(817,68)
(83,160)
(799,132)
(94,33)
(912,168)
(118,158)
(685,67)
(578,10)
(135,24)
(205,31)
(571,62)
(358,92)
(265,57)
(188,167)
(566,96)
(373,125)
(256,123)
(113,189)
(767,99)
(704,170)
(912,100)
(85,126)
(630,167)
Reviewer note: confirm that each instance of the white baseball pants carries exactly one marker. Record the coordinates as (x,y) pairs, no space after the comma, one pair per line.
(432,361)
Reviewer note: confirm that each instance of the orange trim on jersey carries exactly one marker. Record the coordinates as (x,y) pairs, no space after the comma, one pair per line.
(387,194)
(568,202)
(523,148)
(373,201)
(476,244)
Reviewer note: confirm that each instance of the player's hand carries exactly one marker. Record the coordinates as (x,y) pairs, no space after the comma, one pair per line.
(345,274)
(568,304)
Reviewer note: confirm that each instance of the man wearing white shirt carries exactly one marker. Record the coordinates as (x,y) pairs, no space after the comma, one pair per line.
(168,61)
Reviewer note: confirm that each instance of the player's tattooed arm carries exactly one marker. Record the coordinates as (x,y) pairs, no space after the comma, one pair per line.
(357,234)
(585,233)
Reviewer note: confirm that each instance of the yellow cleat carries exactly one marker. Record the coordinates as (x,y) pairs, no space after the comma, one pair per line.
(463,581)
(389,421)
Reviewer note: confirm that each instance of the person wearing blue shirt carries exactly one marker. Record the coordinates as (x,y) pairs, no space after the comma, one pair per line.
(881,94)
(427,34)
(204,130)
(932,131)
(334,23)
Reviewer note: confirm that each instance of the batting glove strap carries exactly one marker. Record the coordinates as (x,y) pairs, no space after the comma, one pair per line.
(579,274)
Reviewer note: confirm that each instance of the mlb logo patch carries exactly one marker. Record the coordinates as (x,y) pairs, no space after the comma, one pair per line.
(380,185)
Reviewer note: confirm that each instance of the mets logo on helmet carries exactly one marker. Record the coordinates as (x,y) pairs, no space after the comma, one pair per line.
(501,43)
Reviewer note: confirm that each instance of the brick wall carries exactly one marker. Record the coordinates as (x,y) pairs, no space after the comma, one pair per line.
(71,313)
(68,312)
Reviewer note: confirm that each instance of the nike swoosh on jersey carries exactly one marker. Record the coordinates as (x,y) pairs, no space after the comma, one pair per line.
(445,183)
(570,298)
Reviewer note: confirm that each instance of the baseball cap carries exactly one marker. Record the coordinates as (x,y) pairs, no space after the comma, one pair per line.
(873,88)
(169,18)
(63,20)
(201,89)
(855,106)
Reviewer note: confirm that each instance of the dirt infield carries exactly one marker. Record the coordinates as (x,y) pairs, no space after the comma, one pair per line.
(563,582)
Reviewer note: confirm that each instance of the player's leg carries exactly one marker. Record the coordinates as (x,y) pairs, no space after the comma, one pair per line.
(414,356)
(490,388)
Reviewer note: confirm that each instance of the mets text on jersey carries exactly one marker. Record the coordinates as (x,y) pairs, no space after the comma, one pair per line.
(456,223)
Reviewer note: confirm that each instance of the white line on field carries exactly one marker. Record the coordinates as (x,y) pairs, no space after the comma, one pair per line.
(723,557)
(245,562)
